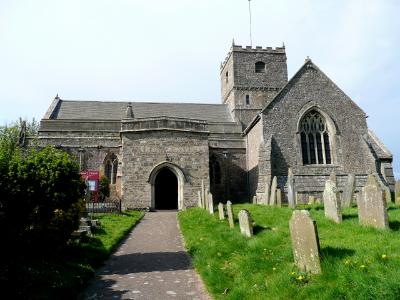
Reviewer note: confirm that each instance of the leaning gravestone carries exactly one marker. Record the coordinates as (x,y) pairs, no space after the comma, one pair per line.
(245,223)
(274,185)
(305,242)
(372,205)
(279,197)
(331,202)
(210,203)
(291,189)
(229,211)
(311,200)
(221,212)
(203,194)
(348,193)
(206,200)
(199,201)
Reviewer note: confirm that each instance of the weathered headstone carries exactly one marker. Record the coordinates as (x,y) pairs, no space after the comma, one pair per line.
(255,199)
(199,201)
(348,193)
(311,200)
(203,194)
(274,185)
(372,205)
(332,202)
(221,212)
(245,223)
(291,189)
(229,212)
(318,201)
(210,203)
(305,242)
(279,196)
(206,200)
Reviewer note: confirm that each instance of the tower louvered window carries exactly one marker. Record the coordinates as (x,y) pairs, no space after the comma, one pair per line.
(315,144)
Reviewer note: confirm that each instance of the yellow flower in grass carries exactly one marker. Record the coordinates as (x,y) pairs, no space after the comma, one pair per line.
(273,269)
(347,262)
(384,256)
(363,266)
(300,278)
(292,273)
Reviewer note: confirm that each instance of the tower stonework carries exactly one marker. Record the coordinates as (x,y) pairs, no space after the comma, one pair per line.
(250,79)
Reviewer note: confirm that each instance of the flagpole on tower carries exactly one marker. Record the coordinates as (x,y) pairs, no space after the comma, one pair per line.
(251,39)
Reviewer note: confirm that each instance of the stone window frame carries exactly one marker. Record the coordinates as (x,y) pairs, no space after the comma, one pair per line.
(247,99)
(111,167)
(259,67)
(331,128)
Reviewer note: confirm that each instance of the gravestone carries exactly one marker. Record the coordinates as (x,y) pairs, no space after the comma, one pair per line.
(206,200)
(332,202)
(372,205)
(291,189)
(229,211)
(245,223)
(311,200)
(199,201)
(274,185)
(348,193)
(210,203)
(254,199)
(305,242)
(279,196)
(221,212)
(203,194)
(318,201)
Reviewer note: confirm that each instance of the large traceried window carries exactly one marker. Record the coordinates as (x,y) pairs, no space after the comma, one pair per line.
(111,168)
(315,145)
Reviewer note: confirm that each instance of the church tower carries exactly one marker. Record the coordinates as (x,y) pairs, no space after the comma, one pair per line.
(250,78)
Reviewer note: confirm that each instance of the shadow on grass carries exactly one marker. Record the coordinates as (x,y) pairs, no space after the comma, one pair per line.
(350,216)
(257,229)
(336,252)
(394,225)
(392,208)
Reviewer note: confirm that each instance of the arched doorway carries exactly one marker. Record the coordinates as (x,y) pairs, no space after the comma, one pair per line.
(156,179)
(166,190)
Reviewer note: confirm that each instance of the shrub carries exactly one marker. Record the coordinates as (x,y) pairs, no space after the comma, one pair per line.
(41,199)
(104,188)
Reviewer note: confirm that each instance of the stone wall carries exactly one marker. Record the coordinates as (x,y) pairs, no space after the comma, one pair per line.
(142,151)
(311,89)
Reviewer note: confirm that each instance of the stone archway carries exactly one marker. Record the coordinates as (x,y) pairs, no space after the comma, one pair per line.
(167,180)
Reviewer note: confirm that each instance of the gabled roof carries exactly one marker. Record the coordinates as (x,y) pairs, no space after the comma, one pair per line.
(307,64)
(107,110)
(378,147)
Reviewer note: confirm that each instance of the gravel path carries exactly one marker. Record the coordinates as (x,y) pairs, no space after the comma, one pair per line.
(150,264)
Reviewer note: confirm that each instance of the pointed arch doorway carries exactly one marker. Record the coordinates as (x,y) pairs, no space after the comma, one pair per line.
(166,190)
(167,181)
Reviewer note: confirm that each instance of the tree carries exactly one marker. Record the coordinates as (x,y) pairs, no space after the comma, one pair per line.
(104,188)
(41,198)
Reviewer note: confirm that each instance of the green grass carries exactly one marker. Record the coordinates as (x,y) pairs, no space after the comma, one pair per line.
(261,267)
(65,274)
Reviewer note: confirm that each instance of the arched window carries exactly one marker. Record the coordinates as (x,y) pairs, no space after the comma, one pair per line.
(315,145)
(247,99)
(111,168)
(260,67)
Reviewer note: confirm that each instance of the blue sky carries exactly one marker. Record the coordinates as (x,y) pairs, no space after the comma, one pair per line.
(171,51)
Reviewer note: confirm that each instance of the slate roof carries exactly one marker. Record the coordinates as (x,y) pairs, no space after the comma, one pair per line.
(378,147)
(99,110)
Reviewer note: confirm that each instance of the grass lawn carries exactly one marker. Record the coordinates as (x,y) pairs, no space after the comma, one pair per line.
(357,262)
(65,274)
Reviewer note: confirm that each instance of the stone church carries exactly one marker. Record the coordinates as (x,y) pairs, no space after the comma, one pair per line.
(157,155)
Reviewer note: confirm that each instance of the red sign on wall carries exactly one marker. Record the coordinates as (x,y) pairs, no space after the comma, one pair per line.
(92,182)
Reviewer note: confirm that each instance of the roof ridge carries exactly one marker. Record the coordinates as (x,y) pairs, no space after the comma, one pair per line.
(144,102)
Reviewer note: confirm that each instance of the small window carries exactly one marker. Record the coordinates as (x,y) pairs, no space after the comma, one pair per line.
(260,67)
(247,99)
(226,76)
